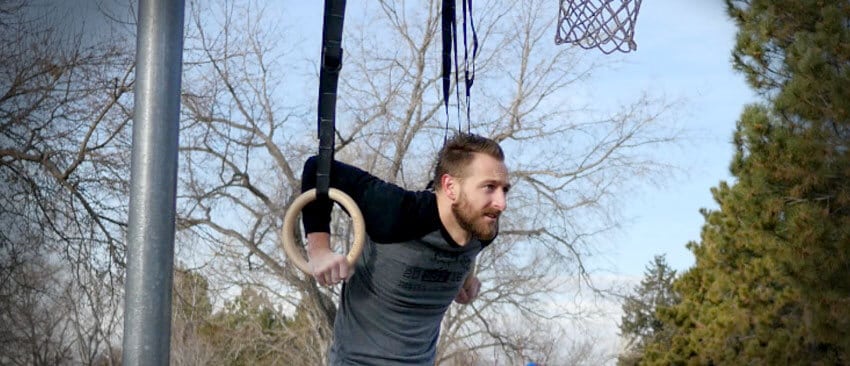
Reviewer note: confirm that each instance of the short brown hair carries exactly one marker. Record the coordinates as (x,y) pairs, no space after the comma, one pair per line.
(458,152)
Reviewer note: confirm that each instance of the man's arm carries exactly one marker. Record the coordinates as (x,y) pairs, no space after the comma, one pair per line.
(392,214)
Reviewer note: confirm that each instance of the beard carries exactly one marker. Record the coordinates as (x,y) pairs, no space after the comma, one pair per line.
(475,223)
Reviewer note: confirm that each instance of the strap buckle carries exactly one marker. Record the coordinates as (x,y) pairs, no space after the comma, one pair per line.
(332,58)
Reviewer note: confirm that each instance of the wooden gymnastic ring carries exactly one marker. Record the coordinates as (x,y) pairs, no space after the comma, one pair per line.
(290,220)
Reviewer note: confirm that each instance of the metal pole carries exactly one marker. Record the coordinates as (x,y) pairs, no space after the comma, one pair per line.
(150,242)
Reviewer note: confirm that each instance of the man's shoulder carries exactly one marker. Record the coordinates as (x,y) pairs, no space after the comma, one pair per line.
(395,216)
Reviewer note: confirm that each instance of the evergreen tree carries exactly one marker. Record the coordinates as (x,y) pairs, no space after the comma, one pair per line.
(771,283)
(639,324)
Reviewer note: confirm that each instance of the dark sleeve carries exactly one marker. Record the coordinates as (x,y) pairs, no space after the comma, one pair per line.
(392,214)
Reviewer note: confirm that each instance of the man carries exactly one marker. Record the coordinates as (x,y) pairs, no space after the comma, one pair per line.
(421,248)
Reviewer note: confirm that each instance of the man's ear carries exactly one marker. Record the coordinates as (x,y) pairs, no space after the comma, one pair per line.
(449,185)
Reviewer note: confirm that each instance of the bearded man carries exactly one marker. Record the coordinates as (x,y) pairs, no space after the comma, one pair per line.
(419,253)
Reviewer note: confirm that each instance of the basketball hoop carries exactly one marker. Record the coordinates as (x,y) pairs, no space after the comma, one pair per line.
(608,25)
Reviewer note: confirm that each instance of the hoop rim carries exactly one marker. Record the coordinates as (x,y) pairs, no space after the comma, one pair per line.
(290,220)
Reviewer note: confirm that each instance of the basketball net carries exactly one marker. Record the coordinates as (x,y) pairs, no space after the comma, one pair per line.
(608,25)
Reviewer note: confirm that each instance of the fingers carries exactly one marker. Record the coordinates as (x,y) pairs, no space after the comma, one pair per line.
(335,274)
(469,291)
(320,277)
(340,271)
(326,278)
(462,297)
(345,270)
(330,271)
(475,290)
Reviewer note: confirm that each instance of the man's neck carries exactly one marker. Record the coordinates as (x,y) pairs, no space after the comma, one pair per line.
(447,218)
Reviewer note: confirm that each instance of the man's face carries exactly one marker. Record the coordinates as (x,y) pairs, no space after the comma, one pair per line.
(482,197)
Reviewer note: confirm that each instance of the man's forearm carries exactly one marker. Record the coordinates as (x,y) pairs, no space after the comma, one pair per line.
(318,242)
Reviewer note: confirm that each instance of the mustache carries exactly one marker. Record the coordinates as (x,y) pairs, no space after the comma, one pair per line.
(492,212)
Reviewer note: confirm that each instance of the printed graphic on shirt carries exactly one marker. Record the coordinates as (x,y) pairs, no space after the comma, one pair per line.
(448,271)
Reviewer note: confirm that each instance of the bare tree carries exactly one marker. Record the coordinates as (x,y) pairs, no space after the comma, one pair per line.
(241,149)
(35,325)
(63,162)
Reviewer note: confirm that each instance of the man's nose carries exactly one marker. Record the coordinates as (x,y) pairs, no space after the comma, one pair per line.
(500,201)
